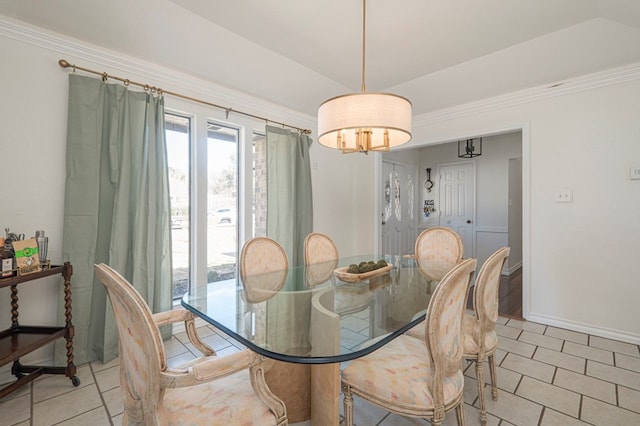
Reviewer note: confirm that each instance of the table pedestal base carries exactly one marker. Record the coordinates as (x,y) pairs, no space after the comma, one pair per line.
(325,397)
(291,383)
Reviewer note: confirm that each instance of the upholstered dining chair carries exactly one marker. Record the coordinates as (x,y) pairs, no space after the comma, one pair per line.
(263,268)
(208,390)
(263,271)
(437,250)
(418,377)
(320,258)
(480,337)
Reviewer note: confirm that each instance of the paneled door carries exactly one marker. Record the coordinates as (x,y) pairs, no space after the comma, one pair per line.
(399,224)
(457,201)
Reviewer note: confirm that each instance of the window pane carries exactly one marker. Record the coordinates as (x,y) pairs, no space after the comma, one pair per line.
(178,135)
(222,202)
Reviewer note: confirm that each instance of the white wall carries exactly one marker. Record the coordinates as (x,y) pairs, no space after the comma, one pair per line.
(343,199)
(514,262)
(579,258)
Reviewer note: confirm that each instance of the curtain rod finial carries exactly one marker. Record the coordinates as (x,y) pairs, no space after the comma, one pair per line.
(63,63)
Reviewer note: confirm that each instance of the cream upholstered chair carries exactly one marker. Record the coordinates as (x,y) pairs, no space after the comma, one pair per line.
(320,258)
(418,377)
(480,338)
(209,390)
(319,248)
(263,271)
(438,250)
(263,268)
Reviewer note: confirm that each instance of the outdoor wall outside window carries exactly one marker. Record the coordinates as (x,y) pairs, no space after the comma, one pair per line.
(222,202)
(178,136)
(259,217)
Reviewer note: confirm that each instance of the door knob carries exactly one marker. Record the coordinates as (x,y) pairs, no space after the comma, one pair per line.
(468,220)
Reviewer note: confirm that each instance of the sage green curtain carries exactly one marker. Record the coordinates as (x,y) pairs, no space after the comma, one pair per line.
(289,221)
(289,197)
(116,206)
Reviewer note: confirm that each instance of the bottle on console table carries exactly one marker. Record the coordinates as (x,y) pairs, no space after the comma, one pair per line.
(7,259)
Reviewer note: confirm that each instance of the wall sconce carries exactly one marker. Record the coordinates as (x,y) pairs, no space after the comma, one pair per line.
(467,149)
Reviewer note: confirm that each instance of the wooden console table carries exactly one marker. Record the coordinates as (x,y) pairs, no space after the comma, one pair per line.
(19,340)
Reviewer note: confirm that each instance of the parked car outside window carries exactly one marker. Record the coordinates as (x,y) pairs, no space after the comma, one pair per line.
(224,216)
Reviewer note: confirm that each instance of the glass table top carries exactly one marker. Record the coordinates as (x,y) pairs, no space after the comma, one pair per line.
(307,315)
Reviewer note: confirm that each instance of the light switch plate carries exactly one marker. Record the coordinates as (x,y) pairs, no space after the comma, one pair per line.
(564,196)
(634,173)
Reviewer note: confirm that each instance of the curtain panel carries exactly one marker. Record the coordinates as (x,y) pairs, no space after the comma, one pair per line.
(116,206)
(289,221)
(289,196)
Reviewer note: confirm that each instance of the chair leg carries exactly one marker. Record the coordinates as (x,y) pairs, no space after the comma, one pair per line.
(348,406)
(480,380)
(460,413)
(494,381)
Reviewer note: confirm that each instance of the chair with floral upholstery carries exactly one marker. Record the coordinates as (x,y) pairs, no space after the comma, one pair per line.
(208,390)
(480,338)
(437,250)
(418,377)
(263,271)
(264,266)
(320,258)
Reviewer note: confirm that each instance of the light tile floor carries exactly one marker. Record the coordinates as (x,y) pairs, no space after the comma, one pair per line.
(547,376)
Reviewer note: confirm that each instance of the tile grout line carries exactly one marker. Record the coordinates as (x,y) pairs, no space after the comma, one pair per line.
(31,395)
(104,403)
(556,368)
(580,406)
(544,409)
(569,390)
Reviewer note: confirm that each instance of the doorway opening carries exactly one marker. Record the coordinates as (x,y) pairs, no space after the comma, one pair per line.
(496,211)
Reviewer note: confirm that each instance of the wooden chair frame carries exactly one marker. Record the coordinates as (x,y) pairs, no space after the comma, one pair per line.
(478,327)
(444,362)
(144,402)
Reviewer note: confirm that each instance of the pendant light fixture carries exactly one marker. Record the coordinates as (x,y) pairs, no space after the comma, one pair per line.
(467,149)
(362,122)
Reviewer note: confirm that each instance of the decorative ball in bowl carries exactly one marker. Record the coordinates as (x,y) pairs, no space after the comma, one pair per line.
(362,271)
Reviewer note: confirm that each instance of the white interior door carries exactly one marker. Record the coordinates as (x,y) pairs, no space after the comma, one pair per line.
(399,224)
(457,201)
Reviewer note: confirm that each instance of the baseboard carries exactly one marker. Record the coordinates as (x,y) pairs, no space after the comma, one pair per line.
(594,330)
(510,270)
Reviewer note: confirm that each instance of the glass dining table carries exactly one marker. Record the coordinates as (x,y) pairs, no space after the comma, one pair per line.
(311,318)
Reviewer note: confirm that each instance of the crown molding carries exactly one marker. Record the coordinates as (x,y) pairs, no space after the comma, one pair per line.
(159,76)
(578,84)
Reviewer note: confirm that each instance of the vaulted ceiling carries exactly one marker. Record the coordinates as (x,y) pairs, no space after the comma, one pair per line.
(298,53)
